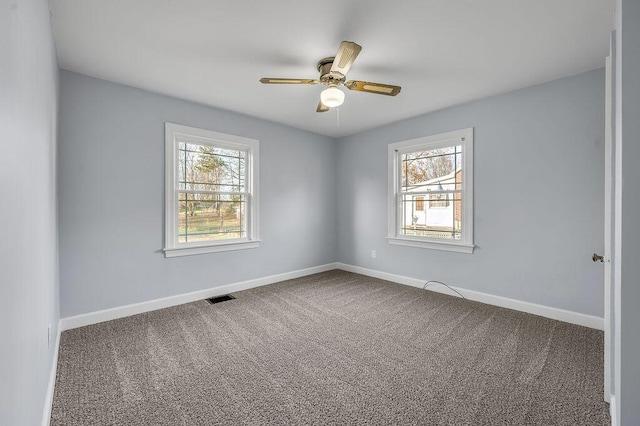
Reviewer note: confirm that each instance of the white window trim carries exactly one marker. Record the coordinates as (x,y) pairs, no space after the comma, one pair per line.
(175,133)
(394,214)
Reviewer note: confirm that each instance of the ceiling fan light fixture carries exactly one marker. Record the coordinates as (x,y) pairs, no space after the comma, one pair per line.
(332,97)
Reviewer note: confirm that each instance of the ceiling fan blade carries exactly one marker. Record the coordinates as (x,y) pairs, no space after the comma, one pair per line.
(379,88)
(322,107)
(347,53)
(288,81)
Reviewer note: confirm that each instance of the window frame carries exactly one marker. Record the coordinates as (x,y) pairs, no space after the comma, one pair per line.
(174,135)
(462,137)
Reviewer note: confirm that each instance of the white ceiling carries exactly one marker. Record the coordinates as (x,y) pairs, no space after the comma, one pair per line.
(442,53)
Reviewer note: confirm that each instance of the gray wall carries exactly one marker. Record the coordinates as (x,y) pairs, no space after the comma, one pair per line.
(538,185)
(628,142)
(539,180)
(28,246)
(112,198)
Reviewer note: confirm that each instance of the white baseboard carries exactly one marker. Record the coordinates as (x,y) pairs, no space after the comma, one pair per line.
(48,402)
(585,320)
(166,302)
(152,305)
(612,411)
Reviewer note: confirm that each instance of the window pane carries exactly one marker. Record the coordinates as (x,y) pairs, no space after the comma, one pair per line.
(428,168)
(440,219)
(432,175)
(207,168)
(211,217)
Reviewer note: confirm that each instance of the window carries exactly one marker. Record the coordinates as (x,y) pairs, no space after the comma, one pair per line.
(211,191)
(439,169)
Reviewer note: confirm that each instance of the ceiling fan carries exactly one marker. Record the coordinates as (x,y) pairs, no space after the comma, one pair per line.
(333,74)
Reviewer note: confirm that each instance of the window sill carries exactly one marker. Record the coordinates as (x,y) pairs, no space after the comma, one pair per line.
(436,245)
(192,250)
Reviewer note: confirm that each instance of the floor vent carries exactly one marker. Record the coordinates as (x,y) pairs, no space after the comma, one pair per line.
(219,299)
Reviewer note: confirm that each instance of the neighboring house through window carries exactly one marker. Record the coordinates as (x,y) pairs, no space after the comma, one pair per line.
(211,191)
(439,169)
(440,199)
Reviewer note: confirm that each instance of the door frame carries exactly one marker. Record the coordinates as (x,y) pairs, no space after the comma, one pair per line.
(608,221)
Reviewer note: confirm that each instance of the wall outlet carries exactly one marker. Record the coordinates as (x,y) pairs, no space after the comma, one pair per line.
(373,254)
(49,336)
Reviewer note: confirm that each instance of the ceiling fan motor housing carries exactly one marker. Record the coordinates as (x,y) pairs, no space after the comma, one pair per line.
(326,76)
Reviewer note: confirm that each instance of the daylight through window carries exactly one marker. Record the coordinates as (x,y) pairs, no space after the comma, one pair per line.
(436,174)
(211,196)
(437,169)
(211,193)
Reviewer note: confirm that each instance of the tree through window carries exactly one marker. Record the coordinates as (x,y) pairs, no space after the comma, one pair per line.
(211,190)
(211,193)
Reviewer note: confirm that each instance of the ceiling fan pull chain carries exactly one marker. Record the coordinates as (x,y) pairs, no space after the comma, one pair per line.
(338,117)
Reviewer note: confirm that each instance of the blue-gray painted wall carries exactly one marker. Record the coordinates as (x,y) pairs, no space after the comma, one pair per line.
(28,235)
(538,188)
(538,184)
(112,198)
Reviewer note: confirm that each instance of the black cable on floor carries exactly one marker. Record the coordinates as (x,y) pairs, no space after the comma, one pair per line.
(440,282)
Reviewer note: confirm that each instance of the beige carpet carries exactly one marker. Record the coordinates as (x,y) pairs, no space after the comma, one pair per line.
(332,348)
